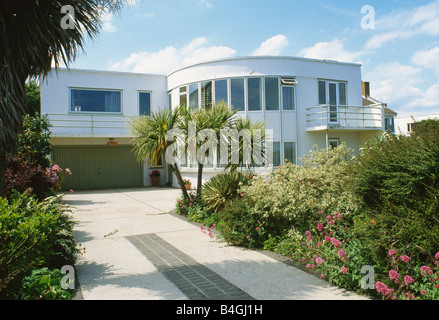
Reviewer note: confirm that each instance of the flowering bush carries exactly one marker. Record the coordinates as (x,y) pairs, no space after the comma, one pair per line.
(187,182)
(408,280)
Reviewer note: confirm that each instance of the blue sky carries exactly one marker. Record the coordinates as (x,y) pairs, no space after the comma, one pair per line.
(400,56)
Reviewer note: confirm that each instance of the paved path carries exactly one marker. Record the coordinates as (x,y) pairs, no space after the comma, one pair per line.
(136,250)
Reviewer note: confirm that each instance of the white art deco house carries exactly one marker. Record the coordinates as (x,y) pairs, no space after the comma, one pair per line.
(305,102)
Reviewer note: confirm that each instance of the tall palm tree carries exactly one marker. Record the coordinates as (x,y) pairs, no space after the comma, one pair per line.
(150,142)
(31,39)
(214,119)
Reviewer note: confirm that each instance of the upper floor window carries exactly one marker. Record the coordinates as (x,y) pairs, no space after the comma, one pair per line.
(272,94)
(144,103)
(237,93)
(96,100)
(332,93)
(254,94)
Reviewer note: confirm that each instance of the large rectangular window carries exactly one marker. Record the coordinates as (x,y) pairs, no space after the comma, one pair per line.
(342,93)
(144,103)
(237,93)
(183,96)
(88,100)
(254,94)
(193,96)
(272,94)
(206,94)
(221,94)
(290,152)
(288,98)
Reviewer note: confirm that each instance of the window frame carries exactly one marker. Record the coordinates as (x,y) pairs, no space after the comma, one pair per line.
(71,111)
(138,101)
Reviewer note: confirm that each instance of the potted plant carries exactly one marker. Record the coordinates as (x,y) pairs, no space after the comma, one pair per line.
(187,184)
(155,178)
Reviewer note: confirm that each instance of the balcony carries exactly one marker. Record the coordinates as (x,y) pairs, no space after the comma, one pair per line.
(89,125)
(345,118)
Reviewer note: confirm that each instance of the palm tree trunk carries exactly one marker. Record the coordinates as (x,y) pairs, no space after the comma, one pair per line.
(2,172)
(176,171)
(200,179)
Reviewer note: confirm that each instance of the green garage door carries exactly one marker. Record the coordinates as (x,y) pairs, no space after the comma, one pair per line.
(99,167)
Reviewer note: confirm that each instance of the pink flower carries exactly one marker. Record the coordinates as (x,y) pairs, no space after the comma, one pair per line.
(319,226)
(392,252)
(322,276)
(319,245)
(393,275)
(437,256)
(408,280)
(319,261)
(344,270)
(68,171)
(383,289)
(425,270)
(320,213)
(341,254)
(423,292)
(257,228)
(248,237)
(336,242)
(405,258)
(308,265)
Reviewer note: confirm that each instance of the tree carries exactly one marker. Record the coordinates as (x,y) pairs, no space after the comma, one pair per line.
(214,119)
(150,143)
(31,39)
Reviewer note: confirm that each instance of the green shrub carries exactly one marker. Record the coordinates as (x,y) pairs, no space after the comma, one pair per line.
(291,197)
(32,232)
(43,284)
(398,178)
(240,226)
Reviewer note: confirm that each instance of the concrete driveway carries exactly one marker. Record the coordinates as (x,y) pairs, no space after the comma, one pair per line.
(134,249)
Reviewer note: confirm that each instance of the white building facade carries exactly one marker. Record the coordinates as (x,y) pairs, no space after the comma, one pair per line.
(305,102)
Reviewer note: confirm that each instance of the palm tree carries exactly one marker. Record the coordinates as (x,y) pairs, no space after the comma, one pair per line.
(214,119)
(32,38)
(253,153)
(150,142)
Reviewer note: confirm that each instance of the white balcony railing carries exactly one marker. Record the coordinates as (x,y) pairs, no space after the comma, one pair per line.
(345,117)
(89,125)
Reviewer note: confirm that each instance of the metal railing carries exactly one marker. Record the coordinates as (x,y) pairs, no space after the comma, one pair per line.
(88,125)
(349,117)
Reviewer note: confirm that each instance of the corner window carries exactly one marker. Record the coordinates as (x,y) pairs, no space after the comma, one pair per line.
(290,152)
(272,94)
(288,98)
(237,93)
(254,94)
(90,100)
(193,96)
(221,94)
(144,103)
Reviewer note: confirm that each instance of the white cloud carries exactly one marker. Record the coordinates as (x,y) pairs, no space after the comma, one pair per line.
(107,22)
(400,25)
(399,86)
(332,50)
(428,59)
(171,58)
(272,46)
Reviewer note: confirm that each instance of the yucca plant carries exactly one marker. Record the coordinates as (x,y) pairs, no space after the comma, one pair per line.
(223,188)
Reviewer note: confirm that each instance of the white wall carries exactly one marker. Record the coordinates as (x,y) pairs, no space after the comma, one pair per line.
(55,99)
(401,123)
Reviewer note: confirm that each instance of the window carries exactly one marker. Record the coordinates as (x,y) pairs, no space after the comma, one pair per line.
(193,96)
(290,152)
(342,93)
(271,94)
(237,93)
(183,96)
(144,103)
(390,124)
(322,92)
(88,100)
(221,91)
(276,154)
(288,98)
(206,94)
(254,94)
(334,143)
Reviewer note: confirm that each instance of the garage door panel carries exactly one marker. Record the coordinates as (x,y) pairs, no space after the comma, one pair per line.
(99,167)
